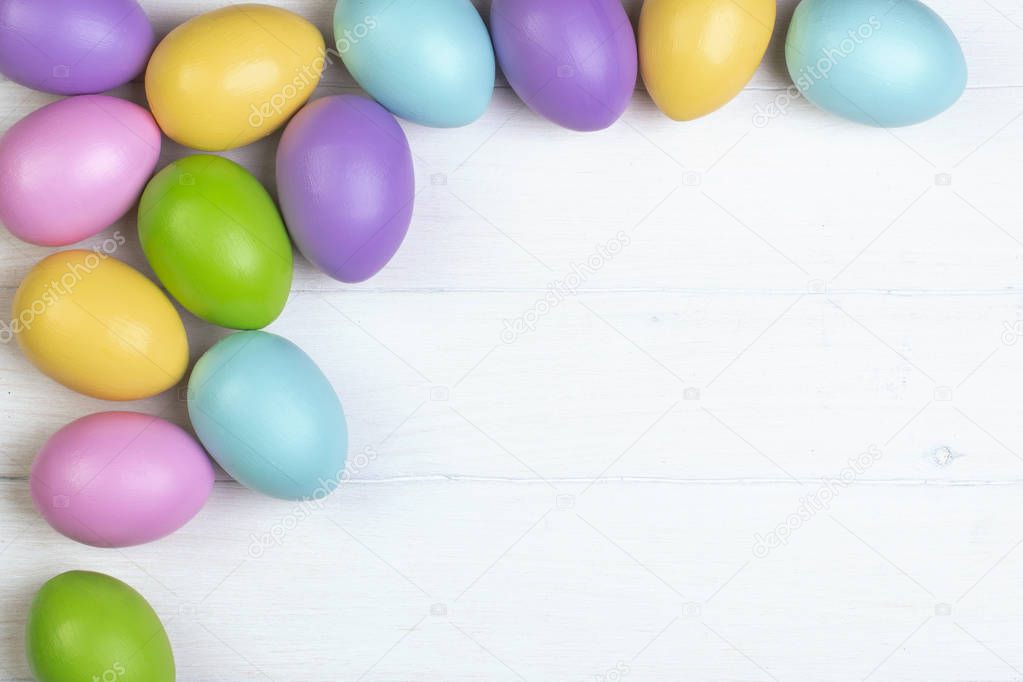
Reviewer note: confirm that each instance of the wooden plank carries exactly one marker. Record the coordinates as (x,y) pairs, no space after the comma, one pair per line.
(723,386)
(989,33)
(720,204)
(463,580)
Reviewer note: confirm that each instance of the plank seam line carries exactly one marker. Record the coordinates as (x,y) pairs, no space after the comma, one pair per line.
(1010,291)
(656,480)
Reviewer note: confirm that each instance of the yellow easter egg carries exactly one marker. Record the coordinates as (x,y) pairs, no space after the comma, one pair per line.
(99,327)
(234,75)
(696,55)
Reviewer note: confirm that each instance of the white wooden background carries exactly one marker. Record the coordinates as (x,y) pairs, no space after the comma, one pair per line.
(584,501)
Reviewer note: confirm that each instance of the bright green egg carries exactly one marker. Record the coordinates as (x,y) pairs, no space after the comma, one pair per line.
(88,626)
(216,241)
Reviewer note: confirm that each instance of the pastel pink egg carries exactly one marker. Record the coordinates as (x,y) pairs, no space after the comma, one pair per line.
(116,479)
(74,167)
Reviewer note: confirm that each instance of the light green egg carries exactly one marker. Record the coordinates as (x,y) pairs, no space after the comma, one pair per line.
(216,240)
(89,626)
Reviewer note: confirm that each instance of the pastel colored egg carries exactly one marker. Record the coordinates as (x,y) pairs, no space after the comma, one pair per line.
(73,47)
(90,626)
(697,55)
(573,62)
(234,75)
(215,240)
(268,416)
(877,62)
(116,479)
(98,326)
(74,167)
(427,62)
(346,185)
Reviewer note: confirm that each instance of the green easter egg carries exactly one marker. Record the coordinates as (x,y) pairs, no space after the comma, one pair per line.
(88,626)
(216,241)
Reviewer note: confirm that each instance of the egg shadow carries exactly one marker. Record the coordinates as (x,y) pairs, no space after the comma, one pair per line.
(774,57)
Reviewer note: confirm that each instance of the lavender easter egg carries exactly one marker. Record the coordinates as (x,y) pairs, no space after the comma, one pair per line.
(115,479)
(345,185)
(572,61)
(74,167)
(73,47)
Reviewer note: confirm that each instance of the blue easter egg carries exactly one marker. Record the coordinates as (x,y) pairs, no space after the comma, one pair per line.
(268,416)
(427,62)
(884,63)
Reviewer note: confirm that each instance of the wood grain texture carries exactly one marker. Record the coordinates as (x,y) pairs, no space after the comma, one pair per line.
(605,374)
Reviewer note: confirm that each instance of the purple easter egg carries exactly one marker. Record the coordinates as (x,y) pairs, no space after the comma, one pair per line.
(73,47)
(572,61)
(346,185)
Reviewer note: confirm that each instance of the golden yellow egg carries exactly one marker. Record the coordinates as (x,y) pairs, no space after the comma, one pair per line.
(696,55)
(234,75)
(99,327)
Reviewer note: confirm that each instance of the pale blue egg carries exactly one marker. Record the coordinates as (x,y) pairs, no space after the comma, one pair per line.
(885,63)
(427,61)
(268,416)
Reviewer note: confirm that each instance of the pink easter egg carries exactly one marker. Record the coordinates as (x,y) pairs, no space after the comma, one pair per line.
(74,167)
(116,479)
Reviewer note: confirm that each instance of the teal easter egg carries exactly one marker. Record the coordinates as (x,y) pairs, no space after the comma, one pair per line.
(268,416)
(428,62)
(885,63)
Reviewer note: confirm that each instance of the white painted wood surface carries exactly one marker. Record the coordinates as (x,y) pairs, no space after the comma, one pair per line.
(591,499)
